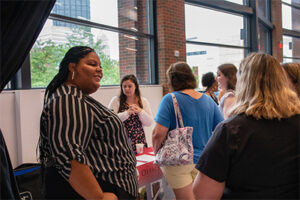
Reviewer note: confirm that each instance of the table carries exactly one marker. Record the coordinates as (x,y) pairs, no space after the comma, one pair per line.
(149,174)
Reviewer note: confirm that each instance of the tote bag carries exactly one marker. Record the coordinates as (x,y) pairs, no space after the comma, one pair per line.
(178,147)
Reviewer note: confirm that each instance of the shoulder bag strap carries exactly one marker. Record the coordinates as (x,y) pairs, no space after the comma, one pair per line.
(177,111)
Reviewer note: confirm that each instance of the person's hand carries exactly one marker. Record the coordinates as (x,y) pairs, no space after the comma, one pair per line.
(130,111)
(135,108)
(109,196)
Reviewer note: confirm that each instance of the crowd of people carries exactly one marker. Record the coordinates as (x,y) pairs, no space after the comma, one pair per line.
(255,153)
(245,137)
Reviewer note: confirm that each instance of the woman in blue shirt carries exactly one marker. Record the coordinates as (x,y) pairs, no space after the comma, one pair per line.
(198,111)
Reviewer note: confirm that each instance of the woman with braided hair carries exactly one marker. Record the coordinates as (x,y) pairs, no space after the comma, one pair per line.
(80,139)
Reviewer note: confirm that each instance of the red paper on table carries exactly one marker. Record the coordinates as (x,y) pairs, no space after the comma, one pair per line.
(147,172)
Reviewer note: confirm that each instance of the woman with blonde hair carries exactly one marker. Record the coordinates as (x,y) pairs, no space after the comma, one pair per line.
(255,154)
(293,74)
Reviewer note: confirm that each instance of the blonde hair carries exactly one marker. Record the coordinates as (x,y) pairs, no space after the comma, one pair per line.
(262,90)
(293,71)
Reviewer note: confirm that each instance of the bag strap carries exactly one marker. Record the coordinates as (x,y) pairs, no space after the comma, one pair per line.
(178,115)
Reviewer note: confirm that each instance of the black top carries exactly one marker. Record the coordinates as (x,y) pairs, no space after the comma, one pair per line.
(76,126)
(256,158)
(213,96)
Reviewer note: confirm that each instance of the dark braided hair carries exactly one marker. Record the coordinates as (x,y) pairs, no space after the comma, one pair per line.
(74,55)
(137,92)
(208,80)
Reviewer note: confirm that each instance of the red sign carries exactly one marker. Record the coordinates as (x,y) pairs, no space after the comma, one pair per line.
(148,172)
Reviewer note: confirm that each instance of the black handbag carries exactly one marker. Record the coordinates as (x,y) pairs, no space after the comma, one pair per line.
(29,181)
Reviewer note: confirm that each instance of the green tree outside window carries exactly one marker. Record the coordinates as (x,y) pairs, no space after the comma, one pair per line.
(46,56)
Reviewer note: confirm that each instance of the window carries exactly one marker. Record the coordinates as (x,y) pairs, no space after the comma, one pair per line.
(290,17)
(214,37)
(221,28)
(237,1)
(264,39)
(119,31)
(208,58)
(290,60)
(291,30)
(263,7)
(291,50)
(265,26)
(114,13)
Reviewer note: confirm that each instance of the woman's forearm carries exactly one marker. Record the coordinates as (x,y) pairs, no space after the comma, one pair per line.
(158,136)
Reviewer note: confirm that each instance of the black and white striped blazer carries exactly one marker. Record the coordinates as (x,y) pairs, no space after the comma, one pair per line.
(76,126)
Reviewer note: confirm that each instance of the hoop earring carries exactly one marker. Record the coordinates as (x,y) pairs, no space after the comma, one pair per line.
(73,75)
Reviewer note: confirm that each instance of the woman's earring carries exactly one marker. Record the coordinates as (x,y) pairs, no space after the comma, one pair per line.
(73,75)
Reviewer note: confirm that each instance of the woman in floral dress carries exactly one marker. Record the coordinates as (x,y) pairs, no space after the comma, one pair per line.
(133,109)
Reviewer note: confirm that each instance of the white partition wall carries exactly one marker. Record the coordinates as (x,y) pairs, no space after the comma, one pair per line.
(20,118)
(8,123)
(28,107)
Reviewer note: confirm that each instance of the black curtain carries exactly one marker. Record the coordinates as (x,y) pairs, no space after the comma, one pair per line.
(21,23)
(8,187)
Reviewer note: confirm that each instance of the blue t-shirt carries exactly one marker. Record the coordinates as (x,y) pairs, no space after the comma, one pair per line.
(202,114)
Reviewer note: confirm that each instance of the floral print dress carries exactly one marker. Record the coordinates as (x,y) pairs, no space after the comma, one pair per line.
(135,130)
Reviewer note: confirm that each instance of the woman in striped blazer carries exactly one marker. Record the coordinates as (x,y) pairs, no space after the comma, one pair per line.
(84,150)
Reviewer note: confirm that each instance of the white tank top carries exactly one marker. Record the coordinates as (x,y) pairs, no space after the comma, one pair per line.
(227,94)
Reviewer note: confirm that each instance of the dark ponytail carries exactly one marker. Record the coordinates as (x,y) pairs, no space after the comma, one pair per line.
(74,55)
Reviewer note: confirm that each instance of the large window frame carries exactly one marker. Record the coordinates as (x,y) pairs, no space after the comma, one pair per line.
(248,10)
(22,79)
(235,9)
(252,19)
(232,9)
